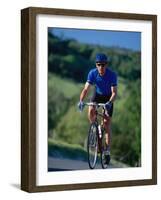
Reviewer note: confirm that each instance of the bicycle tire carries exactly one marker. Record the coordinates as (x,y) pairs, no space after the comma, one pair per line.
(92,145)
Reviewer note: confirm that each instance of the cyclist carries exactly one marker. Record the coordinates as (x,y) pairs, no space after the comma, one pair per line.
(105,81)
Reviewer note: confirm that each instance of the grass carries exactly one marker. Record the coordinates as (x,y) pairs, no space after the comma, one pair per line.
(61,149)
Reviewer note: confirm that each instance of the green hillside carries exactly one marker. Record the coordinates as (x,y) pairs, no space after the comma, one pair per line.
(68,87)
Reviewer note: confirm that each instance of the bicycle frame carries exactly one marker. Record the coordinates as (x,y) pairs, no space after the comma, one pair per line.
(100,136)
(102,115)
(97,105)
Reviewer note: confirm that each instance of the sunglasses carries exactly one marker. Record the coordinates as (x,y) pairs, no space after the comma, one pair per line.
(101,64)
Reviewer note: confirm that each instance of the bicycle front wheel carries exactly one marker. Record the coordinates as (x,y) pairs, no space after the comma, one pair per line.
(92,145)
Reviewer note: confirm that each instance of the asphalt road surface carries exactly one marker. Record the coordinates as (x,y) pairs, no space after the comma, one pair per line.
(62,164)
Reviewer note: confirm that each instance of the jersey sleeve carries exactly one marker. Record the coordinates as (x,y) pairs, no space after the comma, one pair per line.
(90,78)
(114,80)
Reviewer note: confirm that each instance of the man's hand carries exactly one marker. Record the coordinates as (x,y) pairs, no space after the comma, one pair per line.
(108,106)
(81,106)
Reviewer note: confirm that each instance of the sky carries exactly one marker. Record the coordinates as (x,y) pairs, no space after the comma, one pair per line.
(124,39)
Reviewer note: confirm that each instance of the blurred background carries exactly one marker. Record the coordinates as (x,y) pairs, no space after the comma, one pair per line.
(71,54)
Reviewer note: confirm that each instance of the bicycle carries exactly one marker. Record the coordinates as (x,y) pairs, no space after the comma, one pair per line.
(96,142)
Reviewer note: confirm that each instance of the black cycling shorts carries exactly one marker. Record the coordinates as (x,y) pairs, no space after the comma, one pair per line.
(97,98)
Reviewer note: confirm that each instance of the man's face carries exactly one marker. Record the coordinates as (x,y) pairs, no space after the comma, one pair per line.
(101,66)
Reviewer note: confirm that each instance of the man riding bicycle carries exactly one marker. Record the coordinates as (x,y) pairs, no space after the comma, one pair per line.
(105,81)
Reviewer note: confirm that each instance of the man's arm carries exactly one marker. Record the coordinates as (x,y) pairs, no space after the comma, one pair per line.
(114,93)
(84,91)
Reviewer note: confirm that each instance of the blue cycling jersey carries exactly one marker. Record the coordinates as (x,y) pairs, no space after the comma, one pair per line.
(102,83)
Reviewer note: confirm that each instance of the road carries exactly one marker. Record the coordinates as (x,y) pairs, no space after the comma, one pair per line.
(62,164)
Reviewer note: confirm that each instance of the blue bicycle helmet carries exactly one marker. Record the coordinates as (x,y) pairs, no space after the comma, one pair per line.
(100,57)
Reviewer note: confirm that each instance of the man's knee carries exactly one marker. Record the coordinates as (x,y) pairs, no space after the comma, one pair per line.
(91,114)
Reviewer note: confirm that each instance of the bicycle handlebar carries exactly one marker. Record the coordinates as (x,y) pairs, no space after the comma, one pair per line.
(95,104)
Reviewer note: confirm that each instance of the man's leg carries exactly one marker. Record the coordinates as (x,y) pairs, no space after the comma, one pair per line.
(91,114)
(107,125)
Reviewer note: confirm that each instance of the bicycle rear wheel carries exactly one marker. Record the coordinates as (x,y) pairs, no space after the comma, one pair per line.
(92,145)
(103,156)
